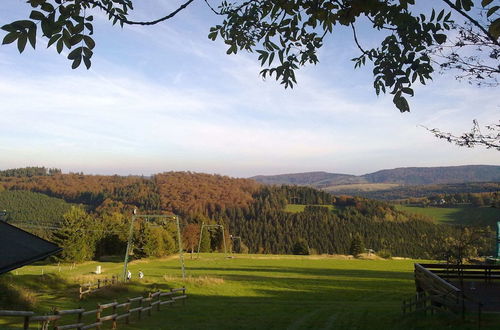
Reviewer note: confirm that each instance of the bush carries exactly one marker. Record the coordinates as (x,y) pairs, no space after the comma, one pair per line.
(15,297)
(300,247)
(386,254)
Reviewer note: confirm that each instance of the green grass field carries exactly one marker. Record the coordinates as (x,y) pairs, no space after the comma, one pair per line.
(296,208)
(251,292)
(466,215)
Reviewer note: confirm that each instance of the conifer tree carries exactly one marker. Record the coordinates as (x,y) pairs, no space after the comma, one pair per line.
(76,236)
(357,245)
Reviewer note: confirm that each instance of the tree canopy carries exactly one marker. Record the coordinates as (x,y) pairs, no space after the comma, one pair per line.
(286,35)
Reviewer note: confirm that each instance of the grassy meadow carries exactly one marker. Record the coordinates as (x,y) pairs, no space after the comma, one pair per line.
(248,292)
(464,215)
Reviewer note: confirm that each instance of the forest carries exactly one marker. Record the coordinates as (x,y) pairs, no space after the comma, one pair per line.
(89,216)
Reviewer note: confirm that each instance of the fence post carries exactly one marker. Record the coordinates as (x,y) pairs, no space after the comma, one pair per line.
(80,315)
(159,301)
(127,310)
(114,319)
(98,315)
(140,310)
(26,322)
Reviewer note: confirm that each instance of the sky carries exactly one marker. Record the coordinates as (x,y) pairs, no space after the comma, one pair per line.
(166,98)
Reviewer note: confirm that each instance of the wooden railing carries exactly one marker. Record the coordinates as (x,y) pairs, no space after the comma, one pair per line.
(90,287)
(110,312)
(435,293)
(487,273)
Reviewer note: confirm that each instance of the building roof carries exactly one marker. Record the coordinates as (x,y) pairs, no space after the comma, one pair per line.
(19,248)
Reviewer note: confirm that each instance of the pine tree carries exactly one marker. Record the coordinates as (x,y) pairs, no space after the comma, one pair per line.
(300,247)
(205,241)
(357,245)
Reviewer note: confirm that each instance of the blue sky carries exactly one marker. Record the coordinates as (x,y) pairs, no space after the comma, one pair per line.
(167,98)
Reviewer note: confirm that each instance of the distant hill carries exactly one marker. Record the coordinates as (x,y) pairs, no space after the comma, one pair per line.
(401,176)
(436,175)
(316,179)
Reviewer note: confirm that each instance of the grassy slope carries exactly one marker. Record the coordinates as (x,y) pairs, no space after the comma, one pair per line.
(257,292)
(458,215)
(296,208)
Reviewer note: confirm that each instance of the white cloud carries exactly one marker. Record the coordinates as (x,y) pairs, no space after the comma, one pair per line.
(167,98)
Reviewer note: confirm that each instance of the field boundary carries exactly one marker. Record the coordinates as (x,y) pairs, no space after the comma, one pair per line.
(435,293)
(109,312)
(87,288)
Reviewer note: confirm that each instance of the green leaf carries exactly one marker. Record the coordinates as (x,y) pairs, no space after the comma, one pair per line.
(89,42)
(76,63)
(492,10)
(75,39)
(10,38)
(24,24)
(494,28)
(75,53)
(86,61)
(408,91)
(9,28)
(87,52)
(484,3)
(440,38)
(401,103)
(212,35)
(21,42)
(47,7)
(36,15)
(32,36)
(53,39)
(59,46)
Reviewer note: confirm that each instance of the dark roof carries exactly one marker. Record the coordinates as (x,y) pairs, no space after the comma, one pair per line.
(19,248)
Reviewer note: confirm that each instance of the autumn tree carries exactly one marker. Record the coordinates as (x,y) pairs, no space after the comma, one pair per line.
(191,237)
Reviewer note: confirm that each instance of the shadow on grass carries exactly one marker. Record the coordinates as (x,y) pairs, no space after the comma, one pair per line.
(303,271)
(261,298)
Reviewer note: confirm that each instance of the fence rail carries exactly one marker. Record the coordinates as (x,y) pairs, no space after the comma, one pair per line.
(87,288)
(434,293)
(109,312)
(465,272)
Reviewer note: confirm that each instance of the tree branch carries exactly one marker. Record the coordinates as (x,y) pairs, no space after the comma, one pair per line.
(356,40)
(473,21)
(126,21)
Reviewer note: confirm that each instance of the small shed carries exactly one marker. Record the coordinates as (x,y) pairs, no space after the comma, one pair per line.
(19,248)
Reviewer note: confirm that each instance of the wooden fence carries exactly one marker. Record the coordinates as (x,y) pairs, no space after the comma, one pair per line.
(112,312)
(87,288)
(486,273)
(434,293)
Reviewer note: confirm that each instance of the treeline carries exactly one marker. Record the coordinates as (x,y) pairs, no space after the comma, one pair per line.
(29,172)
(266,228)
(183,193)
(38,212)
(250,211)
(418,191)
(475,199)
